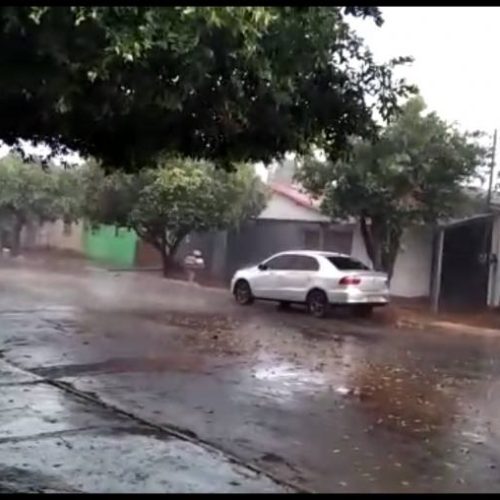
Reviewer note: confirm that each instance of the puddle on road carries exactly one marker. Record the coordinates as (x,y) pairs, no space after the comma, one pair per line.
(287,373)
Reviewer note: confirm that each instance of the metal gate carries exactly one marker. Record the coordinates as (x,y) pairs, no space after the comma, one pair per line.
(466,264)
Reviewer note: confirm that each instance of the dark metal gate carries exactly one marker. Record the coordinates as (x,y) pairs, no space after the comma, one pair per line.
(466,264)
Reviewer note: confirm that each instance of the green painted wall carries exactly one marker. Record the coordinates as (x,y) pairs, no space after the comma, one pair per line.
(107,244)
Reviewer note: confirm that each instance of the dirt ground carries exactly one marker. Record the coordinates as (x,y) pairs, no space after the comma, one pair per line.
(122,382)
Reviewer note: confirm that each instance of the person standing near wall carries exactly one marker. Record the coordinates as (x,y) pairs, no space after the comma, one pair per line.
(193,262)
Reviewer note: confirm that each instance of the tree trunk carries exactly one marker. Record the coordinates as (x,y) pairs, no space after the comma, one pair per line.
(167,257)
(167,247)
(372,238)
(382,242)
(170,246)
(391,250)
(165,261)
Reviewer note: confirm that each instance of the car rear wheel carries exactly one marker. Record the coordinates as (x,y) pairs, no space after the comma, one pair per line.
(243,293)
(317,303)
(363,311)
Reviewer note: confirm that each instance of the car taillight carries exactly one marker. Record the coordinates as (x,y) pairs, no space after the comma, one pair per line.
(350,280)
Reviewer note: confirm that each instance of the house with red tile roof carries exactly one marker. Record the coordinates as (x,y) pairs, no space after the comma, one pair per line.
(293,220)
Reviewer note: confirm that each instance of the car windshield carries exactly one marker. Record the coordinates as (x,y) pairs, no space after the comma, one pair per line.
(347,264)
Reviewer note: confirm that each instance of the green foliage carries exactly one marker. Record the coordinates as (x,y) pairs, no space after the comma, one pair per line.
(29,193)
(414,174)
(108,199)
(26,191)
(67,199)
(180,196)
(124,84)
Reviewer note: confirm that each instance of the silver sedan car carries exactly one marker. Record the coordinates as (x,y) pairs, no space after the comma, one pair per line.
(315,278)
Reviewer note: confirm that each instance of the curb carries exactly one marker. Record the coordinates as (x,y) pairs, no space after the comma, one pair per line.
(449,327)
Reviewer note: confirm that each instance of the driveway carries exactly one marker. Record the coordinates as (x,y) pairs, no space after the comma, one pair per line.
(123,382)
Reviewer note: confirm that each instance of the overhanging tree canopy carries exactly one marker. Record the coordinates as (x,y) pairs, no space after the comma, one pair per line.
(223,83)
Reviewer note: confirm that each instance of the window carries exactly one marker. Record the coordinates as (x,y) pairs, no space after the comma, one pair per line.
(293,262)
(282,262)
(304,263)
(347,264)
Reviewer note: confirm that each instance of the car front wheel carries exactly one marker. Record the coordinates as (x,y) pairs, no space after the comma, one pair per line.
(317,303)
(243,293)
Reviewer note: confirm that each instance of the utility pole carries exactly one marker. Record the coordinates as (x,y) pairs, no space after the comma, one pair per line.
(492,170)
(492,251)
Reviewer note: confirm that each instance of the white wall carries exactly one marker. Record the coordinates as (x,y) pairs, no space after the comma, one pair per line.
(358,247)
(494,278)
(281,207)
(51,235)
(413,267)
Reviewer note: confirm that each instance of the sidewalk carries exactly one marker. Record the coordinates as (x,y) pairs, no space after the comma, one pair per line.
(407,314)
(55,440)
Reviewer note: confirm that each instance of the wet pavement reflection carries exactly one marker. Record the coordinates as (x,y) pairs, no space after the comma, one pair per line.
(334,405)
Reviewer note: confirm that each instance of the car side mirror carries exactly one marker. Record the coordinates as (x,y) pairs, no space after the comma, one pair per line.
(262,267)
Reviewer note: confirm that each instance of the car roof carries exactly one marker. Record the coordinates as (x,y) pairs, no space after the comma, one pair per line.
(312,253)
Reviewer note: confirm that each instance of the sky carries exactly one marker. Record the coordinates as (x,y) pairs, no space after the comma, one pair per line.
(42,150)
(455,51)
(456,57)
(456,64)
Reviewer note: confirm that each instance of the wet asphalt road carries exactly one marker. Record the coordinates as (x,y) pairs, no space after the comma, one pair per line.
(127,383)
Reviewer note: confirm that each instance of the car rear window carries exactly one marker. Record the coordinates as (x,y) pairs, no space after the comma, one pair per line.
(347,264)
